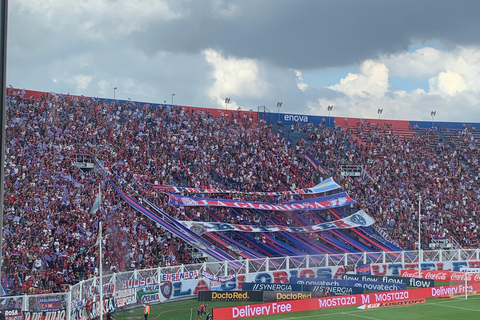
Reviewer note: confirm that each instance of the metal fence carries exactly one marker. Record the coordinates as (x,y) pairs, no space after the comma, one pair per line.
(127,289)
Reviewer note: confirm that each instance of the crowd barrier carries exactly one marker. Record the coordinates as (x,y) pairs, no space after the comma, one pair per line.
(126,290)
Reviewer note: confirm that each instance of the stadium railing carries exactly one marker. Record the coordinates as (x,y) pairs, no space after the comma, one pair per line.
(73,301)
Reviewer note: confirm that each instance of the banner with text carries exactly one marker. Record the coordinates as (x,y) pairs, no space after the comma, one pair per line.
(327,202)
(358,219)
(324,186)
(272,308)
(411,282)
(366,285)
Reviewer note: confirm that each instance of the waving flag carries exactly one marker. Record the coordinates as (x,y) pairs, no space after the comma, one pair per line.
(310,159)
(97,203)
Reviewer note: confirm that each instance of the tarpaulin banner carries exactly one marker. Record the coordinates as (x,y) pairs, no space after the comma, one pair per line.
(327,202)
(324,186)
(358,219)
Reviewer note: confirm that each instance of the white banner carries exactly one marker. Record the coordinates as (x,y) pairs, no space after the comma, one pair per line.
(324,186)
(358,219)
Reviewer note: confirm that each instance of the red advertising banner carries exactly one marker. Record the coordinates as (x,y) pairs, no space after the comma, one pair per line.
(441,275)
(263,309)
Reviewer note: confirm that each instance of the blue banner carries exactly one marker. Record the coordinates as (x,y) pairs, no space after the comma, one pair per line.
(327,202)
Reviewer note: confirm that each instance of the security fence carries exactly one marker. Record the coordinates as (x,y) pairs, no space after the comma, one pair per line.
(131,289)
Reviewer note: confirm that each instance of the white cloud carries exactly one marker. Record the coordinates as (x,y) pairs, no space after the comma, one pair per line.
(234,78)
(372,81)
(82,81)
(450,83)
(300,84)
(453,78)
(420,64)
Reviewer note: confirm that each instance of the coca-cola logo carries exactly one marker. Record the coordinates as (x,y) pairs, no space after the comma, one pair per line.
(435,275)
(409,274)
(457,276)
(460,276)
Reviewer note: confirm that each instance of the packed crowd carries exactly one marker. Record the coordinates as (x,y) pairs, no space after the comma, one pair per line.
(397,172)
(50,230)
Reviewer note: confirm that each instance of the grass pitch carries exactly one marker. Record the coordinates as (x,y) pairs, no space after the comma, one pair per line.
(457,308)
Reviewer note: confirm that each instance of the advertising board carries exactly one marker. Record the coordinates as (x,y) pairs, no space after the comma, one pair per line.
(411,282)
(273,296)
(263,309)
(272,286)
(366,285)
(230,296)
(443,275)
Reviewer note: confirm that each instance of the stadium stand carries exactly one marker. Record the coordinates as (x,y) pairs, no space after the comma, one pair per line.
(62,149)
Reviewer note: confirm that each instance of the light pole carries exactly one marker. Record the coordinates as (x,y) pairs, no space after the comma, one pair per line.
(379,111)
(329,108)
(279,105)
(173,95)
(433,113)
(114,89)
(419,237)
(227,101)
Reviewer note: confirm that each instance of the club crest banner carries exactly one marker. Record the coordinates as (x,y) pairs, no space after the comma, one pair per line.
(324,186)
(358,219)
(327,202)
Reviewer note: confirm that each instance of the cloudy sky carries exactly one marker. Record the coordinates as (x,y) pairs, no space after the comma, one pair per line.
(407,57)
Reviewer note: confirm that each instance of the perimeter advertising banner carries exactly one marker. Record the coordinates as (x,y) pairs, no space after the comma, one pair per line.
(366,285)
(148,288)
(272,296)
(272,287)
(288,287)
(263,309)
(334,290)
(442,275)
(411,282)
(231,296)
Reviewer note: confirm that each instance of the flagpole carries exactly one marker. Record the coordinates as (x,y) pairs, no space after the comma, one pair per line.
(100,268)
